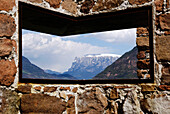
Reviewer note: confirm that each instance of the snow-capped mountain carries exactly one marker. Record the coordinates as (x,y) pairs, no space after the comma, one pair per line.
(90,65)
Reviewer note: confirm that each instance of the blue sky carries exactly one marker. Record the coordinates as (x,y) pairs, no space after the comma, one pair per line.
(57,53)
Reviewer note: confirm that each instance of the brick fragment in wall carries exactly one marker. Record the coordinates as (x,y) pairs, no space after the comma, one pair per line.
(86,6)
(141,31)
(142,41)
(65,88)
(141,73)
(159,5)
(24,88)
(163,48)
(141,55)
(36,1)
(41,103)
(164,88)
(8,71)
(106,4)
(50,89)
(7,25)
(70,6)
(146,88)
(167,4)
(157,22)
(37,88)
(9,101)
(71,104)
(95,101)
(54,3)
(165,79)
(156,105)
(164,20)
(7,4)
(6,47)
(74,90)
(114,94)
(143,64)
(138,2)
(167,32)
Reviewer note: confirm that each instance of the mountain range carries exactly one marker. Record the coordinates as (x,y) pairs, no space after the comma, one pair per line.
(90,65)
(94,66)
(32,71)
(123,68)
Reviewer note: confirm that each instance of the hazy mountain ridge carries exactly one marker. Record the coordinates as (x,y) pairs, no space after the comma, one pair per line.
(30,70)
(88,66)
(51,72)
(123,68)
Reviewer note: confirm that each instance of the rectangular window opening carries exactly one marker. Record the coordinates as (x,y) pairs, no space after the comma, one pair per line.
(63,49)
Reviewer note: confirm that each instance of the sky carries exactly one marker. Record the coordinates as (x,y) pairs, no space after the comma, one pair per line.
(57,53)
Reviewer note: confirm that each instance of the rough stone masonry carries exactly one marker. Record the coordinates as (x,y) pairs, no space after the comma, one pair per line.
(16,98)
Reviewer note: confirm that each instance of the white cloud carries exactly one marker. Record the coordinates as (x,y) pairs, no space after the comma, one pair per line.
(53,53)
(115,36)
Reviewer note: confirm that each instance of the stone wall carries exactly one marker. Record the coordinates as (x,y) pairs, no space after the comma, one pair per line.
(154,97)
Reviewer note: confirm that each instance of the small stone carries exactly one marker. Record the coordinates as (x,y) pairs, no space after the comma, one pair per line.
(54,3)
(7,25)
(164,87)
(7,5)
(101,97)
(37,88)
(63,94)
(143,64)
(165,79)
(148,88)
(86,6)
(156,105)
(65,88)
(8,71)
(14,45)
(50,89)
(41,103)
(106,4)
(166,69)
(114,94)
(141,55)
(74,90)
(159,5)
(163,48)
(71,111)
(99,6)
(138,2)
(9,101)
(71,101)
(70,6)
(88,102)
(24,88)
(71,104)
(142,41)
(167,32)
(147,76)
(36,1)
(165,21)
(6,47)
(167,4)
(141,31)
(144,105)
(141,73)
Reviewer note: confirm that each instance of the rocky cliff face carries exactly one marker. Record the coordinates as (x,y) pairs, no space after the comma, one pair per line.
(88,66)
(123,68)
